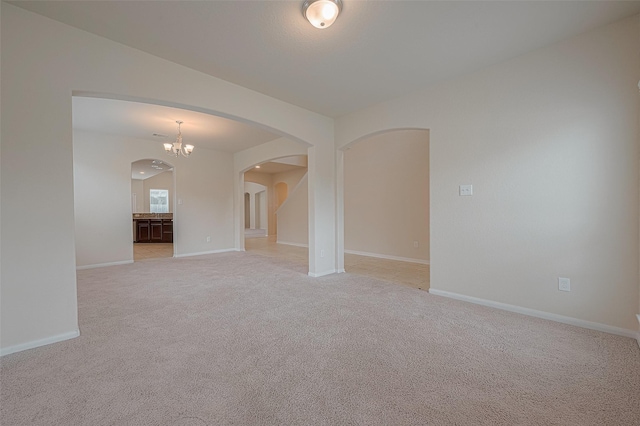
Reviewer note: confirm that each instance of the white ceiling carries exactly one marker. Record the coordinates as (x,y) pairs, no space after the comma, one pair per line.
(281,165)
(144,169)
(376,50)
(142,121)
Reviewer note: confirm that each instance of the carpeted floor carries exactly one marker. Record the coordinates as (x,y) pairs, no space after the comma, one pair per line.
(242,339)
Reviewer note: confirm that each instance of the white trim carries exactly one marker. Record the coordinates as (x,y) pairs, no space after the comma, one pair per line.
(40,342)
(538,314)
(200,253)
(638,334)
(386,256)
(102,265)
(293,244)
(322,274)
(341,271)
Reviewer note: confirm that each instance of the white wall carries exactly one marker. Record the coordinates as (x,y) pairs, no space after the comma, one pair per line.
(261,210)
(291,178)
(292,216)
(103,229)
(137,188)
(253,189)
(162,180)
(43,63)
(549,141)
(386,195)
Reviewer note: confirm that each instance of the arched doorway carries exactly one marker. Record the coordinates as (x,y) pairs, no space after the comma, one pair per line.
(279,196)
(255,208)
(152,201)
(386,206)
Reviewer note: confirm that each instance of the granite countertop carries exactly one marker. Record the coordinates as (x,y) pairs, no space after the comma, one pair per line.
(152,216)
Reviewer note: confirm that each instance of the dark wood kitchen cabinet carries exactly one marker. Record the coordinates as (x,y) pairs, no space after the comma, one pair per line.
(167,230)
(154,230)
(142,231)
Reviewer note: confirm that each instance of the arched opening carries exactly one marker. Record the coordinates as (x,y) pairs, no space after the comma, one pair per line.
(255,210)
(282,206)
(152,200)
(203,182)
(386,206)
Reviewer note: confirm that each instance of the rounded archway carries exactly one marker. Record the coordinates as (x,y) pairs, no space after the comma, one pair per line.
(286,195)
(152,205)
(384,202)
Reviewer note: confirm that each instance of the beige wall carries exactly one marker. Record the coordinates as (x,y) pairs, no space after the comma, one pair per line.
(549,141)
(292,214)
(291,179)
(137,188)
(386,196)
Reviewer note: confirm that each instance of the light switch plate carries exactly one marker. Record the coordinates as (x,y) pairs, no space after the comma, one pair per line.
(564,284)
(466,190)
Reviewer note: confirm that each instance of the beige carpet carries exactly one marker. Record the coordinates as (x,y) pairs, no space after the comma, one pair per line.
(242,339)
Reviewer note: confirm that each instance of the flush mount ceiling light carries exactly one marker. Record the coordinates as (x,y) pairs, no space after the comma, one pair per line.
(321,13)
(177,148)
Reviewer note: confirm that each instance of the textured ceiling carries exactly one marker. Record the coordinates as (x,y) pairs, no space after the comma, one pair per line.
(376,50)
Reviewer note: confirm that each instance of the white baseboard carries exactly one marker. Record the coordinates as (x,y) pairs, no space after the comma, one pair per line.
(200,253)
(322,274)
(538,314)
(386,256)
(293,244)
(40,342)
(638,334)
(102,265)
(341,271)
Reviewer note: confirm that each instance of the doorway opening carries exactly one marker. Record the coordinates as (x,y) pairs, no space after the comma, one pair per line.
(276,199)
(152,196)
(255,210)
(386,207)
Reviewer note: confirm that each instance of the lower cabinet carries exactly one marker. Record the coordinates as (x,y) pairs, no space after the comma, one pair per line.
(142,231)
(167,231)
(154,230)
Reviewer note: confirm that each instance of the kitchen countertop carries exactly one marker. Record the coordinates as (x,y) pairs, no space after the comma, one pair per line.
(152,216)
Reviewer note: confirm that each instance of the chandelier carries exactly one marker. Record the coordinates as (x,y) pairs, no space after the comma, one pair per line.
(175,149)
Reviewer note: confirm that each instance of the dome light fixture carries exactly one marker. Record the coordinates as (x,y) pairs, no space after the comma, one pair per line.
(321,13)
(177,148)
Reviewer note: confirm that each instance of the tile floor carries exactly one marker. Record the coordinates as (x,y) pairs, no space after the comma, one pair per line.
(406,273)
(142,251)
(410,274)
